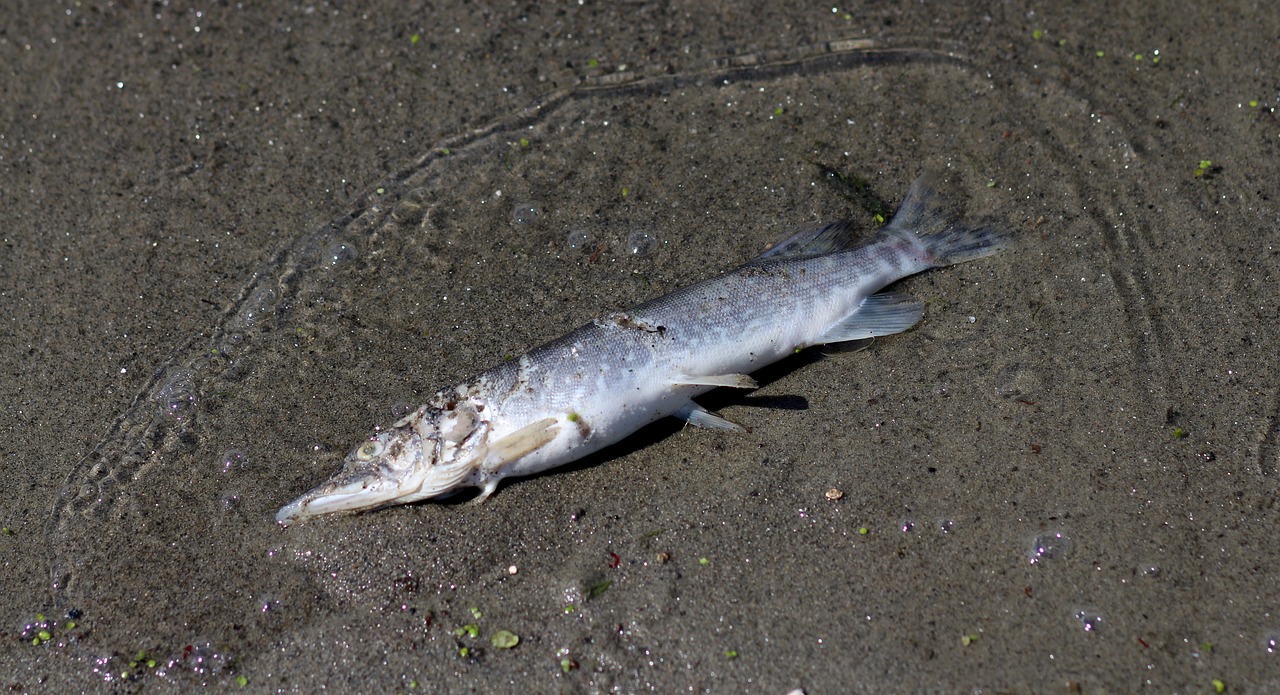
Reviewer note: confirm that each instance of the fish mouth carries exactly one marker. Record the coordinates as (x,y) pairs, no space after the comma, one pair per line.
(336,496)
(362,491)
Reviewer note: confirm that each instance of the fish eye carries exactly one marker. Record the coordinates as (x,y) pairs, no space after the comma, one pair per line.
(369,450)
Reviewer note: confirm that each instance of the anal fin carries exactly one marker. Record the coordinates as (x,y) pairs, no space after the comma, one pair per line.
(736,381)
(698,416)
(880,314)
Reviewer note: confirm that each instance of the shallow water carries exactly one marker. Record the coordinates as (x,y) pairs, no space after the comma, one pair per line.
(1028,437)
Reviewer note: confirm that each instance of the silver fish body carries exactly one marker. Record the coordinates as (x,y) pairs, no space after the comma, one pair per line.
(600,383)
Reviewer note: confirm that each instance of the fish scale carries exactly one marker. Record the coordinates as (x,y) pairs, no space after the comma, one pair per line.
(603,381)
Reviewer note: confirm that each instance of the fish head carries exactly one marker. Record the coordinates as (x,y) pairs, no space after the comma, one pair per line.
(429,453)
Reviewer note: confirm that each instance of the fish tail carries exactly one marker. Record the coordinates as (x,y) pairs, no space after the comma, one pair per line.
(961,242)
(934,219)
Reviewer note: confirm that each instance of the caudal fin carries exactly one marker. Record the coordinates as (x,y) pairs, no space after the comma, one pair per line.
(929,213)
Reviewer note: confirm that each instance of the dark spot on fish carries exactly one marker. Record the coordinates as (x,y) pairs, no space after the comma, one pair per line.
(395,449)
(623,320)
(584,429)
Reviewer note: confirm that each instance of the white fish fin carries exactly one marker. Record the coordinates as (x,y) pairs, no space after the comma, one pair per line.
(698,416)
(486,490)
(817,240)
(523,441)
(880,314)
(735,381)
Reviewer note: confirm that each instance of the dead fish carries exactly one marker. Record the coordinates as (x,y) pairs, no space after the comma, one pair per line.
(600,383)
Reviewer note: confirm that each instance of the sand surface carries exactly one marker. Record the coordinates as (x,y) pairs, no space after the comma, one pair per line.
(235,239)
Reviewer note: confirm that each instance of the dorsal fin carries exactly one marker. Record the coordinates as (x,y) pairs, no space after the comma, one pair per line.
(816,240)
(929,208)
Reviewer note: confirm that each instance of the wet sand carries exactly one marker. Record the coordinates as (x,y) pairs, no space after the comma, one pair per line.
(238,239)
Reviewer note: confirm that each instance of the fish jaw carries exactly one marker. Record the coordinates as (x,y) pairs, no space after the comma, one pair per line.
(356,491)
(340,494)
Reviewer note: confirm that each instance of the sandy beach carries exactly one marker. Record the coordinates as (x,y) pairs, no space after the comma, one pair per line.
(237,239)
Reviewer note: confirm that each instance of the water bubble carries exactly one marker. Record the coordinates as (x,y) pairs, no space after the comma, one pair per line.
(106,486)
(339,253)
(261,303)
(1049,546)
(526,213)
(177,397)
(577,239)
(1090,620)
(229,501)
(232,461)
(229,343)
(641,243)
(204,659)
(401,408)
(1016,380)
(412,209)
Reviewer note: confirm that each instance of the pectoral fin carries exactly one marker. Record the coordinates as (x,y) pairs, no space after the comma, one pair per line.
(698,416)
(736,381)
(523,441)
(880,314)
(512,448)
